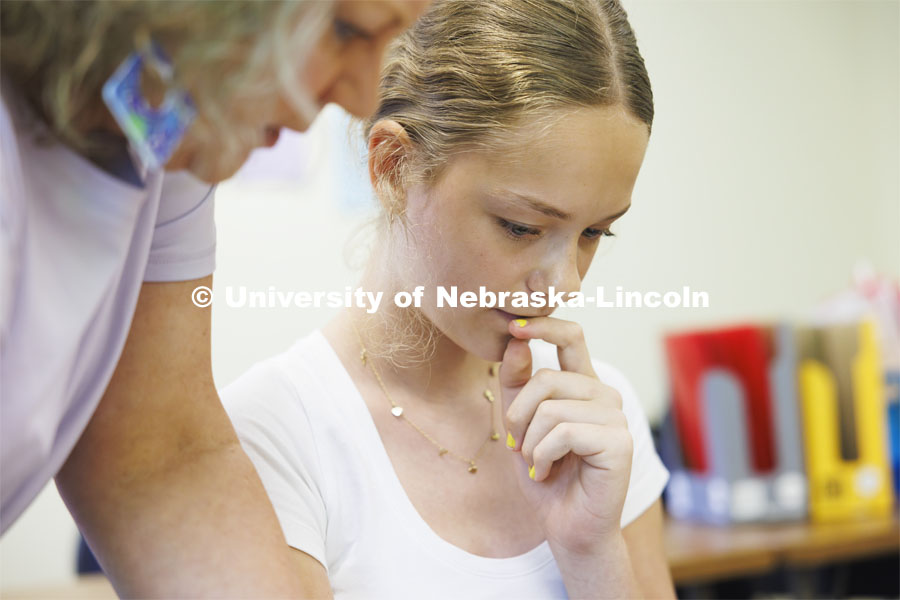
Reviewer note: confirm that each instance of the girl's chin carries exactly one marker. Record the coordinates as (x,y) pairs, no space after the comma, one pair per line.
(489,346)
(486,340)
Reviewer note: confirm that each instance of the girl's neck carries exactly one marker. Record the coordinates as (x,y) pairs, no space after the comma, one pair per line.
(429,366)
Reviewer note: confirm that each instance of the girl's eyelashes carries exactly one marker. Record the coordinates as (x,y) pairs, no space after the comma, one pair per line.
(593,233)
(517,231)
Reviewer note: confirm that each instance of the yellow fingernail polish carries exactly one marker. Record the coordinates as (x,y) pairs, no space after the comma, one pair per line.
(510,442)
(531,471)
(521,322)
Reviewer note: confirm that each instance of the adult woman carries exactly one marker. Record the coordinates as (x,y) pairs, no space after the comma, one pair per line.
(85,230)
(508,138)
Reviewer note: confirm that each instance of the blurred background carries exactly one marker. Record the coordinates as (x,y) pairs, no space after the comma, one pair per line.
(773,170)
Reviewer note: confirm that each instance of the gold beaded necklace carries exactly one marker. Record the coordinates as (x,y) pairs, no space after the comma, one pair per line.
(399,413)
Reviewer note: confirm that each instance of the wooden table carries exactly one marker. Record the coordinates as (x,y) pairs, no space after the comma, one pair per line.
(86,587)
(704,552)
(697,553)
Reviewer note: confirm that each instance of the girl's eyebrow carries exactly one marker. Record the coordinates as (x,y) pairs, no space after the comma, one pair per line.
(552,211)
(618,214)
(537,205)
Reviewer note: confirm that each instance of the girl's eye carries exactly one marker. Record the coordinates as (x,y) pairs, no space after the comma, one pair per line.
(517,231)
(593,233)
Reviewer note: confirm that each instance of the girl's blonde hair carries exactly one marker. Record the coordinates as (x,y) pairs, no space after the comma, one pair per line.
(60,53)
(469,71)
(465,76)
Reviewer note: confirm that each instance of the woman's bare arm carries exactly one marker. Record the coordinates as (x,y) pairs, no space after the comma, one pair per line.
(159,483)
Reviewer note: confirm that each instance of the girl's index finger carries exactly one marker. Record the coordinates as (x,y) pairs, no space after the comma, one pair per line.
(515,370)
(567,336)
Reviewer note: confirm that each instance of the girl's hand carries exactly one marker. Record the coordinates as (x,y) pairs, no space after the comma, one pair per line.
(571,428)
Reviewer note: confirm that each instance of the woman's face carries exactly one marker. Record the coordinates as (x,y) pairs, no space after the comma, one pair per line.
(520,222)
(343,67)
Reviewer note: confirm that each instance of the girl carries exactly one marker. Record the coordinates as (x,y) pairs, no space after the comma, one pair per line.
(507,141)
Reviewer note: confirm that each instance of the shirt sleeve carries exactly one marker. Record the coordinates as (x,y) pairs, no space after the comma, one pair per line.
(275,432)
(12,197)
(184,237)
(648,474)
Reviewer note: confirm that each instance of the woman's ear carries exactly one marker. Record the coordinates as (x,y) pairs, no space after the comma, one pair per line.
(389,148)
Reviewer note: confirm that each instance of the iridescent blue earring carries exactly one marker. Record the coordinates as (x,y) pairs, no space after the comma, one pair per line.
(153,133)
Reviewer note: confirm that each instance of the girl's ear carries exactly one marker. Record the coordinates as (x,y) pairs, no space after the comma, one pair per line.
(389,149)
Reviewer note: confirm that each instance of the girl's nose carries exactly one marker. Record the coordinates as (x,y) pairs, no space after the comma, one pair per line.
(559,271)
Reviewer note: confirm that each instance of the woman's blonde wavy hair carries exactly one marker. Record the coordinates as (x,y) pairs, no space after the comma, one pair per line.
(60,53)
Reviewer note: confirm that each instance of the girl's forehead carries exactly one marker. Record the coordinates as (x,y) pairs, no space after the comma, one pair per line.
(585,148)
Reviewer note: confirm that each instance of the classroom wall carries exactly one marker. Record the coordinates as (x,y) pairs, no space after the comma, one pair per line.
(772,168)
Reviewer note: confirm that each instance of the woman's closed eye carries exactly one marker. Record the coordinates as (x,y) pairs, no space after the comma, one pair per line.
(346,31)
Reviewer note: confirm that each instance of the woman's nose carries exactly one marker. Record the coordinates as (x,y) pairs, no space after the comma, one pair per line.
(356,89)
(362,67)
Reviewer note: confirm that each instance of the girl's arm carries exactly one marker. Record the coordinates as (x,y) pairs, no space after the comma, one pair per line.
(644,537)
